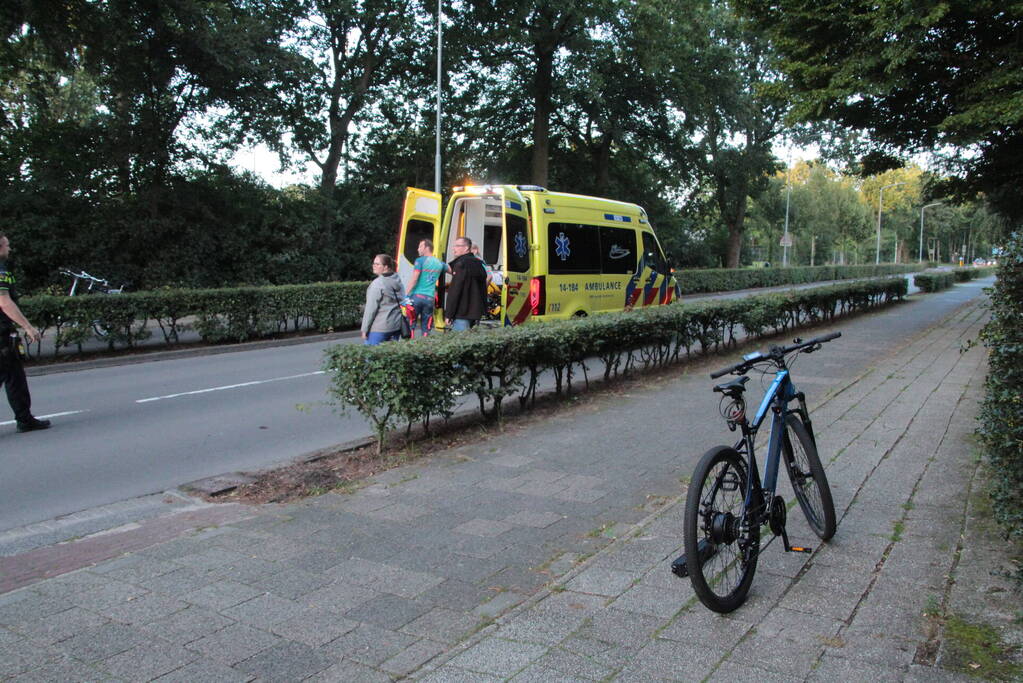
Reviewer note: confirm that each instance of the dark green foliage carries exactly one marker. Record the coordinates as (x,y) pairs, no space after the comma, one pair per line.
(1001,414)
(972,273)
(934,281)
(731,279)
(404,383)
(218,315)
(915,77)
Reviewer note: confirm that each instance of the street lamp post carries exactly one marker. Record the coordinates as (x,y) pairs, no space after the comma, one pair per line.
(880,200)
(436,165)
(920,254)
(788,198)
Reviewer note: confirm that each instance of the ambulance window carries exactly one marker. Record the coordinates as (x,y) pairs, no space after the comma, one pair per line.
(416,232)
(652,254)
(517,244)
(492,245)
(617,250)
(572,249)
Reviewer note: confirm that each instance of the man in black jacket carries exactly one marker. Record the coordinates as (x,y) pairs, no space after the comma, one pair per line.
(467,294)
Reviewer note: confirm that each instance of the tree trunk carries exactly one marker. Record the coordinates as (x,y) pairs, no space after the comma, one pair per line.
(602,161)
(542,114)
(734,243)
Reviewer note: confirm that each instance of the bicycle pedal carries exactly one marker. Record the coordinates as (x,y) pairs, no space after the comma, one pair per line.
(706,550)
(797,549)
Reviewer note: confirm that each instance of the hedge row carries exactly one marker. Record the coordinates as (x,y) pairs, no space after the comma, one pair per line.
(244,313)
(1001,414)
(416,382)
(972,273)
(235,314)
(934,281)
(937,280)
(730,279)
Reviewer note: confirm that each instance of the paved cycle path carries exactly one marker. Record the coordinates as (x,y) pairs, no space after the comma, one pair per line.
(542,552)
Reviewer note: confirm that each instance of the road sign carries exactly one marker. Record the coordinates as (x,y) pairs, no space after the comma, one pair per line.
(786,240)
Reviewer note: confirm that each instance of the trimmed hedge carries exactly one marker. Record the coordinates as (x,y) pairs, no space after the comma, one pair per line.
(972,273)
(731,279)
(416,382)
(1001,414)
(937,280)
(218,315)
(934,281)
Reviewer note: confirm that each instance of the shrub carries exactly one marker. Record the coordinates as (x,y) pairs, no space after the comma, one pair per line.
(1001,414)
(934,281)
(731,279)
(233,314)
(405,383)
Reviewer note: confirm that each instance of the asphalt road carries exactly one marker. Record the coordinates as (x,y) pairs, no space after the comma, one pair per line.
(130,430)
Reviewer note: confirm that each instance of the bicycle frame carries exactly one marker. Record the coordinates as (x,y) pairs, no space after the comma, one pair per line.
(776,401)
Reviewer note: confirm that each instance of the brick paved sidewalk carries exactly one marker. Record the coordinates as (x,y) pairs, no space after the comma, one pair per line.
(542,552)
(860,608)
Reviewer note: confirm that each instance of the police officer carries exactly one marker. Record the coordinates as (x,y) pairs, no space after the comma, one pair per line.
(12,373)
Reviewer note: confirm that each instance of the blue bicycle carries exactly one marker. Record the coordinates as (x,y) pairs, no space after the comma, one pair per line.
(727,503)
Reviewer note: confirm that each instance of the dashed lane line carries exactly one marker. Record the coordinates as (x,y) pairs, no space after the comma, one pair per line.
(47,417)
(229,386)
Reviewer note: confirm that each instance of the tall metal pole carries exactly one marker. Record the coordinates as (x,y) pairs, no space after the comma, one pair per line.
(920,254)
(880,202)
(436,166)
(788,198)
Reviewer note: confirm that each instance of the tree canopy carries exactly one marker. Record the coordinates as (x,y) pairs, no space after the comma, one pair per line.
(938,77)
(118,119)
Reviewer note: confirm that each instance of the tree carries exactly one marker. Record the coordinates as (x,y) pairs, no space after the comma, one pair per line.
(829,217)
(518,55)
(738,125)
(943,78)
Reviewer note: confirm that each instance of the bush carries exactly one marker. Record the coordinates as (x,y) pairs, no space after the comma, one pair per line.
(972,273)
(406,383)
(234,314)
(730,279)
(1001,414)
(934,281)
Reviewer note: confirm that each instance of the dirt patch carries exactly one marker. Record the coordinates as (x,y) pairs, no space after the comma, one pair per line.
(347,469)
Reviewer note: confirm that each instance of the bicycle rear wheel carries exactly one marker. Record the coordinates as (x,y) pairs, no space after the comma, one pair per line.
(809,482)
(721,548)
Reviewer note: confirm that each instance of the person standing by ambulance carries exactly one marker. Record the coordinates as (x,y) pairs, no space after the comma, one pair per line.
(422,286)
(381,318)
(467,294)
(12,372)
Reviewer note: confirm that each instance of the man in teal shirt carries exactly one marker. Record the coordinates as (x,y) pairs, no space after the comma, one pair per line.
(422,287)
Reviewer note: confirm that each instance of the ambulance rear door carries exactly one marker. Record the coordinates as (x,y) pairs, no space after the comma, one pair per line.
(516,306)
(420,220)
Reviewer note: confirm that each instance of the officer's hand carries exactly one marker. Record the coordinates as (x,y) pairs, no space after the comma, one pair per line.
(33,334)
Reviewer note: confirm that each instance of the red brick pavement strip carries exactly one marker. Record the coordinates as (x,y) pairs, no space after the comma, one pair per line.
(18,571)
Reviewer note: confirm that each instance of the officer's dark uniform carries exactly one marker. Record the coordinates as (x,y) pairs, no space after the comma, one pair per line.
(12,372)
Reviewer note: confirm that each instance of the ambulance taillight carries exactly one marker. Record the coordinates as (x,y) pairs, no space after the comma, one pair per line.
(537,296)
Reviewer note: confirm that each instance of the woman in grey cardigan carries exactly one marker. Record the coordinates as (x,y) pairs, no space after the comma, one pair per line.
(381,319)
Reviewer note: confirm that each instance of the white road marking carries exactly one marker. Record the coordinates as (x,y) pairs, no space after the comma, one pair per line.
(229,386)
(46,417)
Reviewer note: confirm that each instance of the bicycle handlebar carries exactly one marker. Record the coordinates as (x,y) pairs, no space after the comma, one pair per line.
(775,354)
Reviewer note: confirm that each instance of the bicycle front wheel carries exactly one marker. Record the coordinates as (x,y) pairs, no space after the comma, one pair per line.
(809,482)
(721,546)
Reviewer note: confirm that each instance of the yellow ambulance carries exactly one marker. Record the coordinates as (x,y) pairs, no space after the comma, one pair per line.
(560,255)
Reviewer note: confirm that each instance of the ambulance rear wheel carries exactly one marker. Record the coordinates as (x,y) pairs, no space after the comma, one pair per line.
(579,314)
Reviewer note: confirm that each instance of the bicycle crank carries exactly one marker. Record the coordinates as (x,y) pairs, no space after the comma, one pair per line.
(776,521)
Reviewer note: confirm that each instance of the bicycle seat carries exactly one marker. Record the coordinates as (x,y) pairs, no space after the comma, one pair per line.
(733,388)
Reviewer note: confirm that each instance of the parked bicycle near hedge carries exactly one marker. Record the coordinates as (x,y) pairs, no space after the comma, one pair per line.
(727,502)
(105,330)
